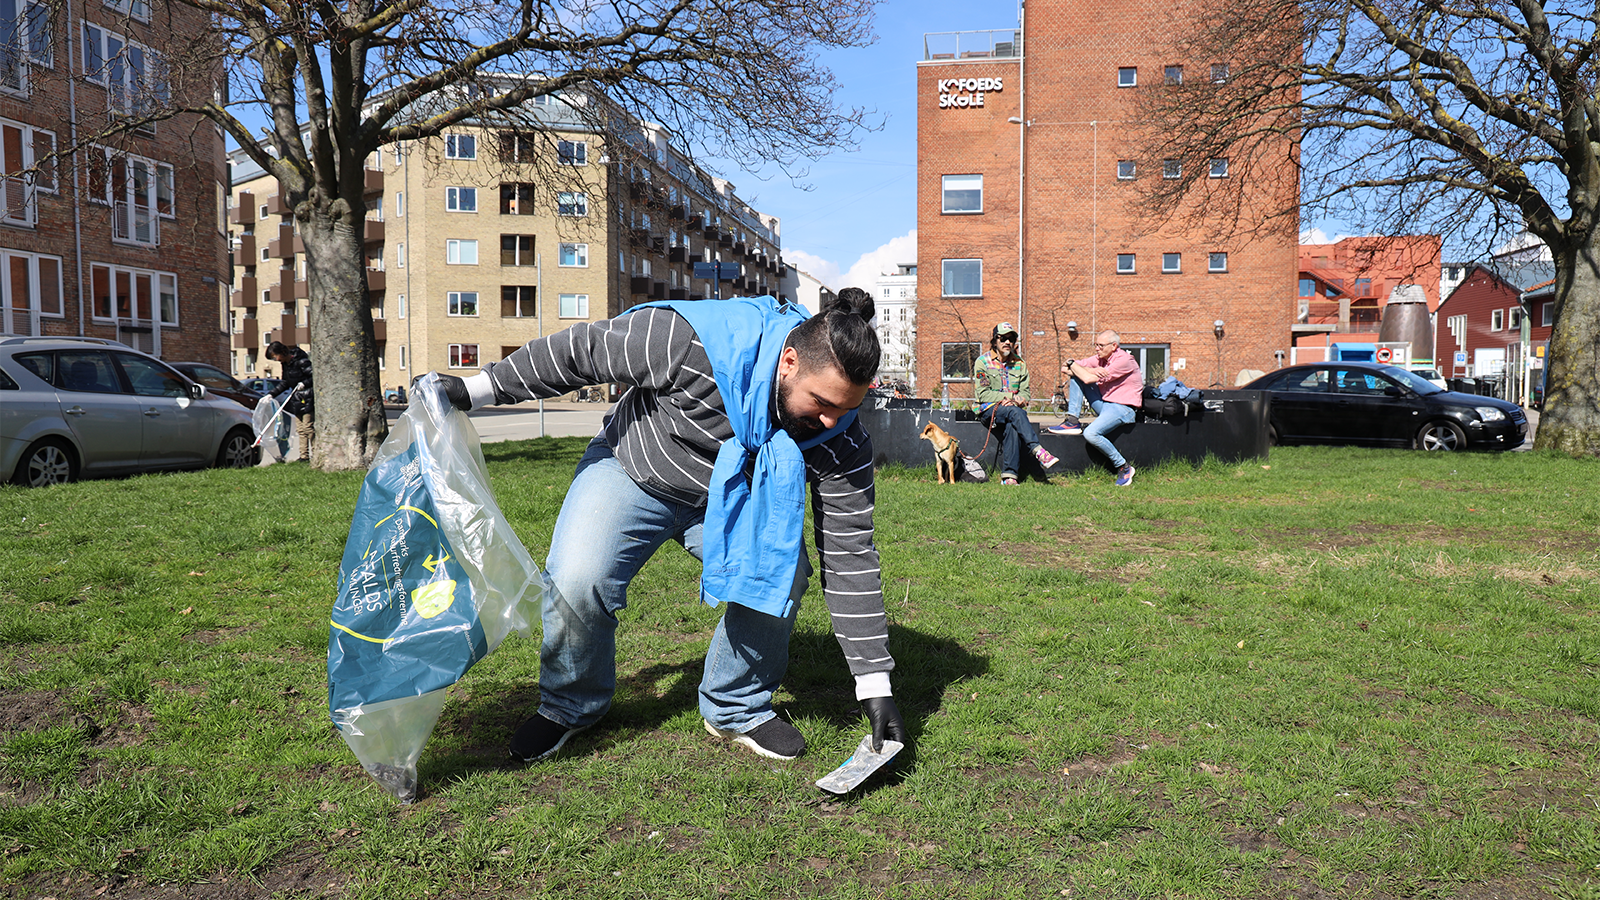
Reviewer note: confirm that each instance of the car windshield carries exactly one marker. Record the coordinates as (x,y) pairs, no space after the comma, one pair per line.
(1412,380)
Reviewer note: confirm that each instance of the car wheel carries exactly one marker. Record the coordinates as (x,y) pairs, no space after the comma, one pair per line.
(1272,435)
(1441,435)
(237,452)
(47,462)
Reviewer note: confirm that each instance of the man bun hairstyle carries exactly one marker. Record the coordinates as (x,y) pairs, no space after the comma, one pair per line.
(841,337)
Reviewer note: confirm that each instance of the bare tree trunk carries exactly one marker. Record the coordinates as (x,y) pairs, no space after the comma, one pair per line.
(1570,422)
(344,357)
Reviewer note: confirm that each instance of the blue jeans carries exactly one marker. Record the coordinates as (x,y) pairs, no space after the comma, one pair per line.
(1011,423)
(1107,415)
(608,528)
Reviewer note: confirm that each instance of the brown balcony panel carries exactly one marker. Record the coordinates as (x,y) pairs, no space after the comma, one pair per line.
(380,330)
(244,212)
(275,249)
(248,337)
(711,232)
(639,237)
(639,284)
(636,190)
(658,290)
(725,238)
(377,280)
(676,212)
(248,294)
(658,245)
(694,223)
(677,254)
(372,181)
(302,290)
(374,232)
(275,206)
(678,294)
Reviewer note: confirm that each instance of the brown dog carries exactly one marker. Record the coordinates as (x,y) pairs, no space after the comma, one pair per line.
(945,449)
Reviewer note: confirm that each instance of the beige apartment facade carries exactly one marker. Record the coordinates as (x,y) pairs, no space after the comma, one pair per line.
(475,246)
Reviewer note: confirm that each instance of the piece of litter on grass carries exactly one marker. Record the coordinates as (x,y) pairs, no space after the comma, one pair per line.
(1240,645)
(196,573)
(861,764)
(186,611)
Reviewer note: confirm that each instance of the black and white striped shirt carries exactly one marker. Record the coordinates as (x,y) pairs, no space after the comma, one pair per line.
(666,431)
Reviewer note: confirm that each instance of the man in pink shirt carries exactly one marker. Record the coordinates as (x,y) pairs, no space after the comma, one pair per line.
(1112,384)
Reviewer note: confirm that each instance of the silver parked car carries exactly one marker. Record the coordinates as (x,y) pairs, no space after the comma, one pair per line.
(85,407)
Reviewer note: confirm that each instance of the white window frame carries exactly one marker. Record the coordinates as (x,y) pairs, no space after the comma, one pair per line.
(580,306)
(400,255)
(399,204)
(460,146)
(157,280)
(455,301)
(1497,320)
(123,67)
(1171,168)
(1217,262)
(580,256)
(959,183)
(1127,263)
(35,38)
(1171,263)
(1127,170)
(1547,313)
(1219,73)
(1127,76)
(578,155)
(456,251)
(1219,168)
(19,203)
(402,356)
(1514,318)
(574,204)
(32,307)
(1172,74)
(139,9)
(456,355)
(453,197)
(135,215)
(401,311)
(945,277)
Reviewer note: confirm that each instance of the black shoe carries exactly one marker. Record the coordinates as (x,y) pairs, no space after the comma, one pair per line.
(774,738)
(539,738)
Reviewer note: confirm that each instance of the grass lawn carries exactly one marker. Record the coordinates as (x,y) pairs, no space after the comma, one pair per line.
(1332,673)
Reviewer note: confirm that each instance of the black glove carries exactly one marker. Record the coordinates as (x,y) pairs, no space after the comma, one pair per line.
(886,721)
(455,390)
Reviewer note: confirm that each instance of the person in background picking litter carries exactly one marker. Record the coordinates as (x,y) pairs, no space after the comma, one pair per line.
(1111,383)
(732,407)
(297,388)
(1000,385)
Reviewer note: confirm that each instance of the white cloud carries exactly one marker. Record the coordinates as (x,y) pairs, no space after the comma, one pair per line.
(815,266)
(881,261)
(865,271)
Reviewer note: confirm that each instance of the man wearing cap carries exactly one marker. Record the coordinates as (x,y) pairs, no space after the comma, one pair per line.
(1000,385)
(1111,383)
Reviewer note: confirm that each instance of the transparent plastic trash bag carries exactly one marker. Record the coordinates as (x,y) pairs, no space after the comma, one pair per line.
(276,439)
(433,579)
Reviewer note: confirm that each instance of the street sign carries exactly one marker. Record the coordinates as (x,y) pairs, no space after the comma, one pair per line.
(1461,357)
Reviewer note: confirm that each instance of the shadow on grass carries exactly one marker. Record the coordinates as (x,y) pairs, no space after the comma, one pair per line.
(477,730)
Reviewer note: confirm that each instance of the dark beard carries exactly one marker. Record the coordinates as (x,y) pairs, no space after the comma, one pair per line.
(798,428)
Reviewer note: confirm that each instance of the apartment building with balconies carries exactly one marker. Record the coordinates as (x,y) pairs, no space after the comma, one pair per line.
(123,237)
(490,236)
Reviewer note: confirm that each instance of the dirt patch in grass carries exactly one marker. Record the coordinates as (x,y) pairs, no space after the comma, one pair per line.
(35,711)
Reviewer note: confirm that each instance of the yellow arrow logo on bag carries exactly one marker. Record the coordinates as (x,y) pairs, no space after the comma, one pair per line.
(432,564)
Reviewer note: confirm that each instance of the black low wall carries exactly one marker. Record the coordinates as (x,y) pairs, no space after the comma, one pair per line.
(1229,425)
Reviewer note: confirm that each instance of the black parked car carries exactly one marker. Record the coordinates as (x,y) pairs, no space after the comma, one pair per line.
(219,383)
(1386,406)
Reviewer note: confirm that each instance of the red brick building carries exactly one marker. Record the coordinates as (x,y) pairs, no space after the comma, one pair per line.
(1345,285)
(1482,333)
(1026,209)
(124,239)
